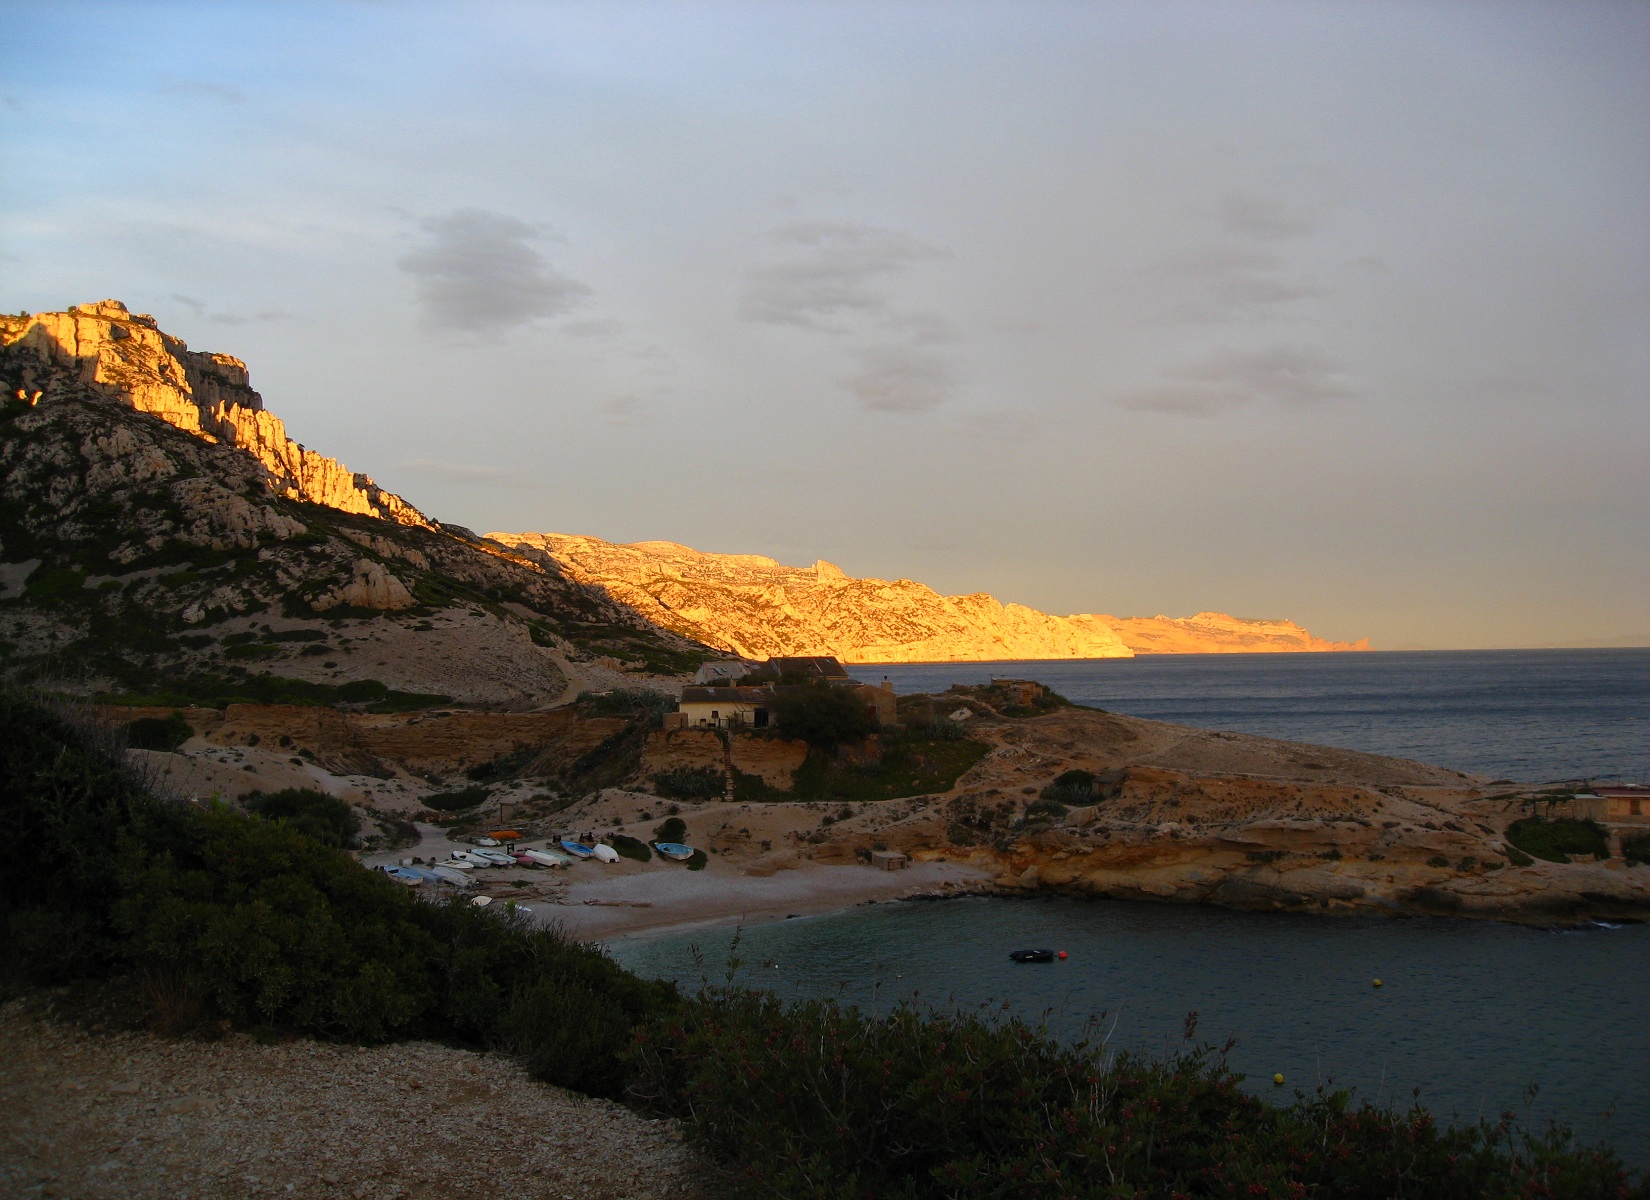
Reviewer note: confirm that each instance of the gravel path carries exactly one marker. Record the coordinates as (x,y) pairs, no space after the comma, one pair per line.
(119,1115)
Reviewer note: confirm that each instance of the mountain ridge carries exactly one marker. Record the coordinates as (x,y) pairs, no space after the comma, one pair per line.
(756,607)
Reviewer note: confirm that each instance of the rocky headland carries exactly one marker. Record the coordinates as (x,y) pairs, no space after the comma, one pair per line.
(752,606)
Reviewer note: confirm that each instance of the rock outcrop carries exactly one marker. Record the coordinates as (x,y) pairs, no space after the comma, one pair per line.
(755,607)
(125,355)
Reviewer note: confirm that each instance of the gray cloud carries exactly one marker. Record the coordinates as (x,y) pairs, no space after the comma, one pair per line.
(1295,376)
(1249,215)
(899,379)
(458,472)
(223,93)
(477,272)
(198,307)
(829,273)
(1233,283)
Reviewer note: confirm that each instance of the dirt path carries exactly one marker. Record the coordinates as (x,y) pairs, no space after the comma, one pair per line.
(122,1115)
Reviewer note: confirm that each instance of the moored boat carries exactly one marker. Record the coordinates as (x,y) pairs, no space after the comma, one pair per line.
(1032,956)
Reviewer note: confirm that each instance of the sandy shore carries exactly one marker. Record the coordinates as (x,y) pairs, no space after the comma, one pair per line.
(607,901)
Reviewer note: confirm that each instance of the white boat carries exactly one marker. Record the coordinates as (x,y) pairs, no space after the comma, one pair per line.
(399,874)
(448,875)
(486,841)
(481,901)
(604,853)
(457,864)
(546,859)
(497,857)
(474,858)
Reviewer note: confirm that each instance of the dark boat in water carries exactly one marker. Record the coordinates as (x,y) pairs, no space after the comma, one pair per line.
(1032,955)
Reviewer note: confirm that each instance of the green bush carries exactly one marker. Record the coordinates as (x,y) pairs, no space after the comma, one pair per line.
(816,1100)
(159,733)
(631,848)
(457,801)
(312,813)
(362,691)
(1636,850)
(1074,789)
(671,829)
(1437,860)
(822,715)
(1518,858)
(1556,841)
(690,783)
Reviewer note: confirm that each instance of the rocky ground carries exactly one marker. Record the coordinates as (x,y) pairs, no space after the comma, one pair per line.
(96,1114)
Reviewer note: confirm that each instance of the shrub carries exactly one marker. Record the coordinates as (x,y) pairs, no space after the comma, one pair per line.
(631,848)
(1518,858)
(457,801)
(1437,860)
(315,814)
(1073,788)
(1636,850)
(816,1100)
(671,829)
(362,691)
(822,715)
(1556,841)
(159,733)
(690,783)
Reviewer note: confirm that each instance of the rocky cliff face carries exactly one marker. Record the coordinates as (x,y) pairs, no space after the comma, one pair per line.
(126,357)
(755,607)
(160,533)
(1217,633)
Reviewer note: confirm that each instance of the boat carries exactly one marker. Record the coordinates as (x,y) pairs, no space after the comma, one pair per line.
(1030,956)
(577,849)
(448,875)
(486,841)
(404,875)
(474,857)
(544,858)
(481,901)
(674,850)
(604,853)
(497,857)
(502,835)
(424,873)
(457,864)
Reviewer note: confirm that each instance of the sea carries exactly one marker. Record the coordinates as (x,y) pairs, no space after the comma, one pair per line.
(1472,1018)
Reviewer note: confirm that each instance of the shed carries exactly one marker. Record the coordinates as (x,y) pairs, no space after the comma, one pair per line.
(889,860)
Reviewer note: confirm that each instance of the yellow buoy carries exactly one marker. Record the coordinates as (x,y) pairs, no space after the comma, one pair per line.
(1278,1079)
(1377,983)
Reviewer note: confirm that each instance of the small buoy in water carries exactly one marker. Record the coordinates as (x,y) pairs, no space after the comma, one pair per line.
(1062,954)
(1278,1079)
(1376,982)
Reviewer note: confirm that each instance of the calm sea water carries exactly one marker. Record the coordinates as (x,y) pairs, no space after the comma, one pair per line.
(1471,1013)
(1528,715)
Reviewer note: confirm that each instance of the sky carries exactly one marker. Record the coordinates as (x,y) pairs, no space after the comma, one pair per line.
(1338,312)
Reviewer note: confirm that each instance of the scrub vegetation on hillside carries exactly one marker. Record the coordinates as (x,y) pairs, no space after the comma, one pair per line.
(220,919)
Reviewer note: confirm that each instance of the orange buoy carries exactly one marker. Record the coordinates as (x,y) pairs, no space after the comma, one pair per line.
(1062,954)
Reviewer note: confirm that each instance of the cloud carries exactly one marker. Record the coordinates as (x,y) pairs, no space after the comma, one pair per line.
(198,307)
(899,379)
(829,273)
(223,93)
(458,472)
(593,327)
(1249,215)
(1234,283)
(1002,424)
(477,273)
(1293,376)
(629,409)
(189,302)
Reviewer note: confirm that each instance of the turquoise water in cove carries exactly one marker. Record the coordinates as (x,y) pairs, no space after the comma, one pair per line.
(1471,1014)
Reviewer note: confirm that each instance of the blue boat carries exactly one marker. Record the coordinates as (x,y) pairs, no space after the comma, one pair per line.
(576,849)
(674,850)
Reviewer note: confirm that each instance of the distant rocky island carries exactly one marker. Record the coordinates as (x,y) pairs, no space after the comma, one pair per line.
(752,606)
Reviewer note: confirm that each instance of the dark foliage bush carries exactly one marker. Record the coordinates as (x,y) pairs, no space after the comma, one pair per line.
(1556,841)
(690,783)
(314,814)
(823,716)
(631,848)
(671,829)
(1636,850)
(815,1100)
(1074,789)
(457,801)
(159,733)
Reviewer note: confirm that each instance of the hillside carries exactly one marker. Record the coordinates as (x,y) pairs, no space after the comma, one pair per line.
(755,607)
(161,534)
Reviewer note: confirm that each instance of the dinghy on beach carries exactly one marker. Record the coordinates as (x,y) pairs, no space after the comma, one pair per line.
(544,858)
(604,853)
(577,849)
(448,875)
(674,850)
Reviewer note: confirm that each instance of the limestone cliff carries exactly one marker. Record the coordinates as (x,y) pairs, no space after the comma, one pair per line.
(124,355)
(755,607)
(1217,633)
